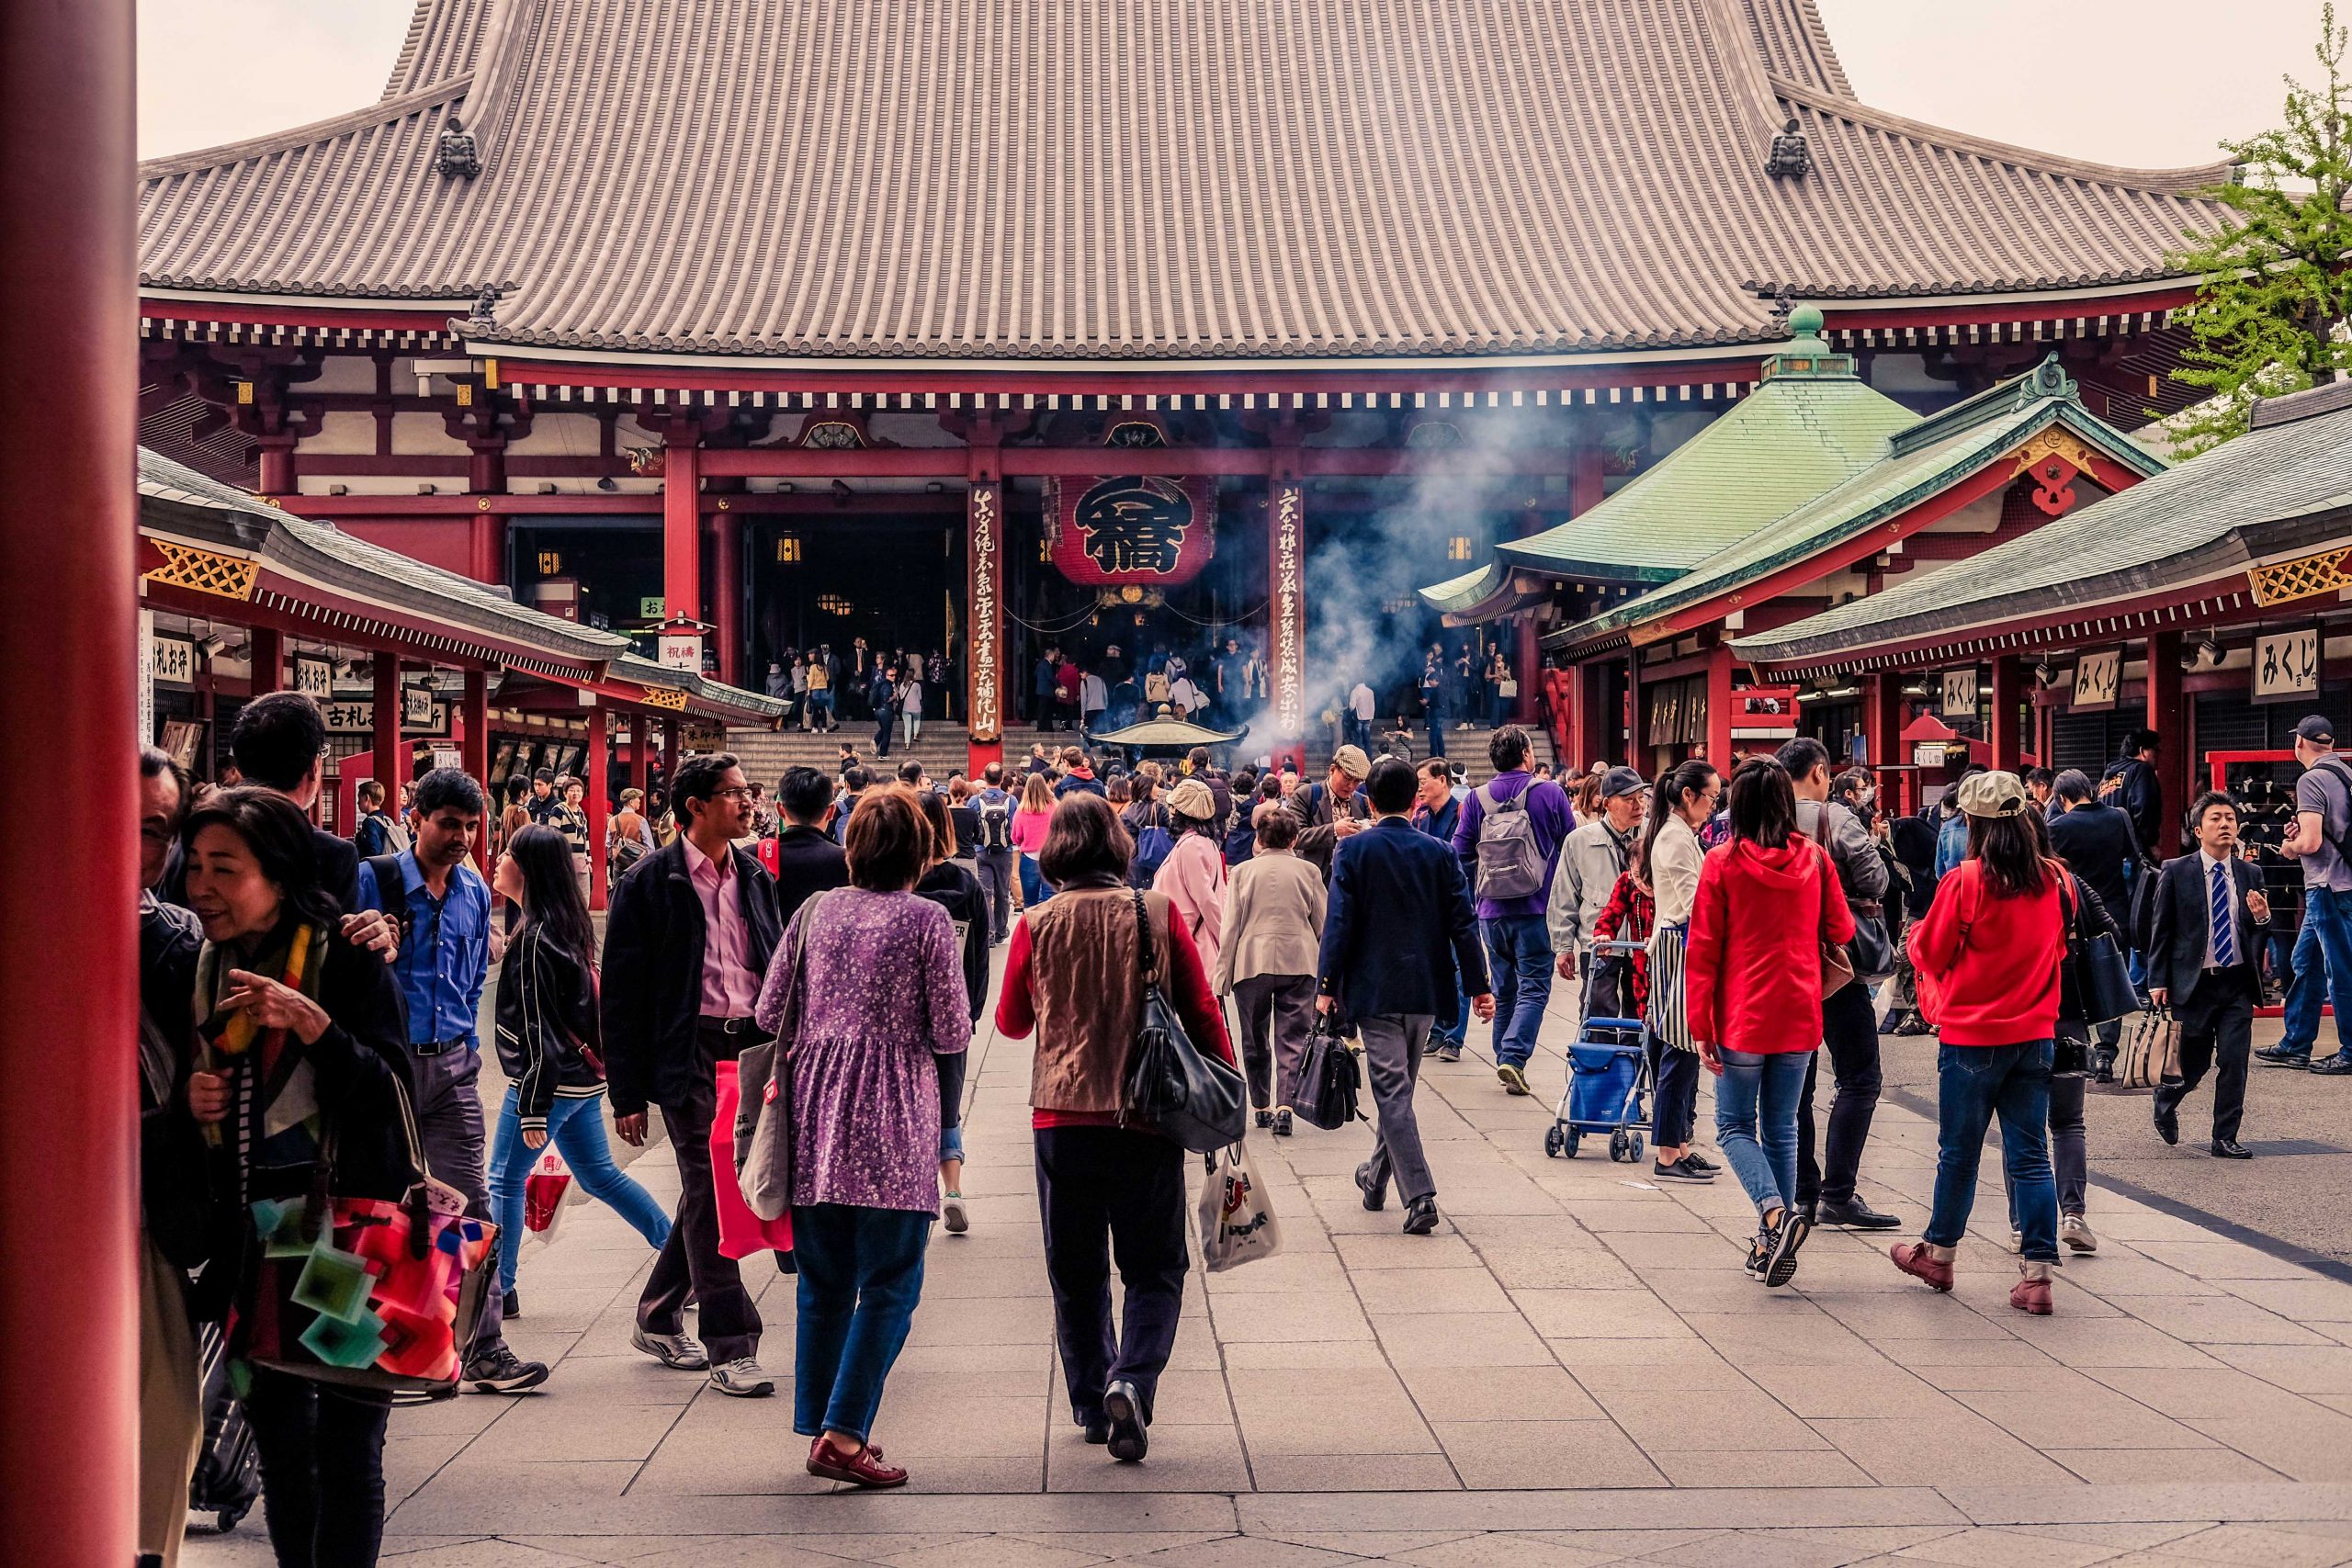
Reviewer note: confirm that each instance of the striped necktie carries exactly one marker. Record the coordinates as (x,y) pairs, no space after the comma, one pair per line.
(2225,927)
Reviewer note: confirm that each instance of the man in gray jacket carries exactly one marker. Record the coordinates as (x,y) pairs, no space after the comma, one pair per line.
(1591,859)
(1848,1023)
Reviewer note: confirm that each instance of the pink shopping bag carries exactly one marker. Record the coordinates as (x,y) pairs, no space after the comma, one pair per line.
(741,1232)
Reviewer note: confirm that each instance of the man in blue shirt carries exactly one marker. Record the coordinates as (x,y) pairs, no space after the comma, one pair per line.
(443,906)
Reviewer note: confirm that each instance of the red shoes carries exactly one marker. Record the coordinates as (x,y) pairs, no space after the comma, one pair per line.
(2031,1295)
(1912,1258)
(864,1468)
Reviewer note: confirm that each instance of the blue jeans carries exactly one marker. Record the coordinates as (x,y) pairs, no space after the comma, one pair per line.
(2323,972)
(1755,1121)
(1518,952)
(1974,1083)
(1035,889)
(1453,1030)
(576,1128)
(860,1274)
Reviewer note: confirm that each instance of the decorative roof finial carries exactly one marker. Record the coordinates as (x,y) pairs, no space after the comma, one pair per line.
(483,318)
(1791,155)
(459,157)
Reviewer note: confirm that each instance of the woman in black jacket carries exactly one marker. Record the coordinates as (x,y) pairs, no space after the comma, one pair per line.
(300,1034)
(958,891)
(547,1034)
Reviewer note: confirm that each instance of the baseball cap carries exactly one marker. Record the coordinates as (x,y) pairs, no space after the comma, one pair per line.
(1992,794)
(2316,730)
(1351,761)
(1620,781)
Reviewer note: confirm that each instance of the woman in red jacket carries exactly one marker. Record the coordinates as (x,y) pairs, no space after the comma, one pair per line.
(1768,901)
(1987,954)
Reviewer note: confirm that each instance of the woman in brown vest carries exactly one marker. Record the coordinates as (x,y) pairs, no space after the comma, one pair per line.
(1076,975)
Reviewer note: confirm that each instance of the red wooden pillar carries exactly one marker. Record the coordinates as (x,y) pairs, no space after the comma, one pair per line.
(2168,717)
(640,762)
(668,748)
(1575,695)
(267,658)
(2008,700)
(984,619)
(68,1163)
(1882,725)
(1636,740)
(474,752)
(486,548)
(1719,705)
(726,596)
(681,527)
(597,808)
(1286,609)
(388,771)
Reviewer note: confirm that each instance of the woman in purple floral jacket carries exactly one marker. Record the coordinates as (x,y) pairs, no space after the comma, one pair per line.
(867,992)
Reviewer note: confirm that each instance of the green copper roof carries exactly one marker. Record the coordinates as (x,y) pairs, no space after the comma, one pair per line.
(2139,541)
(1811,425)
(1473,587)
(1958,442)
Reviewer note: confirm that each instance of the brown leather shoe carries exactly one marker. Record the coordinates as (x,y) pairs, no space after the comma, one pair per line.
(2031,1296)
(864,1468)
(1912,1258)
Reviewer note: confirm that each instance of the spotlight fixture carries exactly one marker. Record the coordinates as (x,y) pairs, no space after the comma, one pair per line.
(2046,675)
(608,484)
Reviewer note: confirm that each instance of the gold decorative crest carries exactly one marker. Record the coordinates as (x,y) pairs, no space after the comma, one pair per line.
(230,577)
(2300,578)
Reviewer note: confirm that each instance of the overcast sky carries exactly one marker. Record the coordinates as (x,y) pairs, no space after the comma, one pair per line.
(2146,83)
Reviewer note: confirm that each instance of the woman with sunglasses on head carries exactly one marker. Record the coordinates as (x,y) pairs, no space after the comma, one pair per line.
(549,1046)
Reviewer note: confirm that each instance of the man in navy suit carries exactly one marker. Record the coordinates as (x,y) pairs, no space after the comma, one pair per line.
(1398,924)
(2212,919)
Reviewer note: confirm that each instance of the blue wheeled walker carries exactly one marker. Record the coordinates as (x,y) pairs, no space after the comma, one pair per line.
(1609,1070)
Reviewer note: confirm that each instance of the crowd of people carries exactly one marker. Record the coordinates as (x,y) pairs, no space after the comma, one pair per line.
(309,1006)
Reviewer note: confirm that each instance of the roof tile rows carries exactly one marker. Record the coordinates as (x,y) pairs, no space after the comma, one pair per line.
(1185,179)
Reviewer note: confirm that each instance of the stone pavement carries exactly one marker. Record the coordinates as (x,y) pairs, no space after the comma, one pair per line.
(1573,1370)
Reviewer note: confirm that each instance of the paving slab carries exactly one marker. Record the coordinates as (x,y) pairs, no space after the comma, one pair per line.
(1572,1372)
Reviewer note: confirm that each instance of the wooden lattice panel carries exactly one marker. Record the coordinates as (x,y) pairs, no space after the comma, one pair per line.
(655,698)
(205,572)
(2299,579)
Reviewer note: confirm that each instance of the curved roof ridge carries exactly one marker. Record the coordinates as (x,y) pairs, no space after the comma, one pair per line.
(1791,34)
(2169,182)
(382,112)
(443,40)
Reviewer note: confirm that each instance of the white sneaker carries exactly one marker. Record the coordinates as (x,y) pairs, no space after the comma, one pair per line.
(743,1378)
(958,1218)
(682,1351)
(2075,1233)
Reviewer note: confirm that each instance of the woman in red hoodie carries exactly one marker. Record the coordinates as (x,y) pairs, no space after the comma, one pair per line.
(1768,901)
(1987,954)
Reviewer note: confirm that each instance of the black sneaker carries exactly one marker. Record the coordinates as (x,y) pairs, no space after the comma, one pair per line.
(499,1371)
(1282,1122)
(1699,1162)
(1265,1118)
(1783,1266)
(1759,1253)
(511,1306)
(1680,1170)
(1448,1052)
(1856,1215)
(2333,1067)
(2280,1056)
(1913,1025)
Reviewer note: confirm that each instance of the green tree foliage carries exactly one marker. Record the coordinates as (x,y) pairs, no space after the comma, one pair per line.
(2274,283)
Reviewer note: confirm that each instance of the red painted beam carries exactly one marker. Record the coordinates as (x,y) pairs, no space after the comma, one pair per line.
(69,1160)
(2089,308)
(156,307)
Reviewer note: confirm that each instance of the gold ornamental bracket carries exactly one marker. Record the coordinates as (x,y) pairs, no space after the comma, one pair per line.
(673,698)
(205,572)
(2053,458)
(2304,577)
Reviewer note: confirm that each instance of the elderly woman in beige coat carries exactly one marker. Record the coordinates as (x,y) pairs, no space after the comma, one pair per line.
(1273,928)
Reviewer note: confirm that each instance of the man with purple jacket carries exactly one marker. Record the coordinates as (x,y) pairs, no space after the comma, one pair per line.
(1512,882)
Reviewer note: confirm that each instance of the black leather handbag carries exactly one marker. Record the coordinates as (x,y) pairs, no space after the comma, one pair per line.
(1328,1076)
(1194,1099)
(2102,990)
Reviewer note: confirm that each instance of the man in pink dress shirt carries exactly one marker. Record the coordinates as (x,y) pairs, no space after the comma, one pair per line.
(686,946)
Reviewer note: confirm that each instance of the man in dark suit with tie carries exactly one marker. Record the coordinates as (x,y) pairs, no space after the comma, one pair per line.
(1398,929)
(2210,920)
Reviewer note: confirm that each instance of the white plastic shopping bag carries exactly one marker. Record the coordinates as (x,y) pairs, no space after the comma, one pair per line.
(543,1191)
(1237,1222)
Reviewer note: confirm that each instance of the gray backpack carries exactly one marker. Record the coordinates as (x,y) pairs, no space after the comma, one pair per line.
(1510,863)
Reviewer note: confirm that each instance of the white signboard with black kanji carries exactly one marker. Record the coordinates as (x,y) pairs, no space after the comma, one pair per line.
(2098,681)
(1960,694)
(2286,665)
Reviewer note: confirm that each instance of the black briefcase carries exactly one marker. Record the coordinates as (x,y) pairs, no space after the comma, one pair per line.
(1329,1077)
